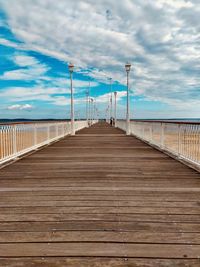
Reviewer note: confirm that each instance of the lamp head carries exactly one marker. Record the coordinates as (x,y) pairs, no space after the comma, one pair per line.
(128,67)
(71,67)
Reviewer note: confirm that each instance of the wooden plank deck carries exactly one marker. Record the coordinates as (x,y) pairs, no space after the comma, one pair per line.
(99,198)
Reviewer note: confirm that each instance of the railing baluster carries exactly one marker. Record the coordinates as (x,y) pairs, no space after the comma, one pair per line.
(14,131)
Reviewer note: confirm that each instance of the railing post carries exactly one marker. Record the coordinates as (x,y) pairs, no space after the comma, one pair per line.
(131,128)
(48,133)
(1,143)
(162,141)
(57,129)
(151,133)
(179,140)
(14,139)
(63,129)
(143,127)
(35,134)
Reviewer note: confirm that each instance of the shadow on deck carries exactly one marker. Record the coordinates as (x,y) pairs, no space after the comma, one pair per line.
(99,198)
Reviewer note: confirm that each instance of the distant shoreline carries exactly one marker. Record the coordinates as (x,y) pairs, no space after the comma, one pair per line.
(52,120)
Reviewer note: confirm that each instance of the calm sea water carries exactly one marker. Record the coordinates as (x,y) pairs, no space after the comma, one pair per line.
(175,120)
(25,120)
(51,120)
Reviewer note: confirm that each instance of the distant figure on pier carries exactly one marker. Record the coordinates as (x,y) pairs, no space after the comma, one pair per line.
(112,121)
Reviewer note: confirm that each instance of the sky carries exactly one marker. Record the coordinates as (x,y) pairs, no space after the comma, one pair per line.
(160,38)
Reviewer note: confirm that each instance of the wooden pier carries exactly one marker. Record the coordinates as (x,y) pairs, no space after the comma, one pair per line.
(99,198)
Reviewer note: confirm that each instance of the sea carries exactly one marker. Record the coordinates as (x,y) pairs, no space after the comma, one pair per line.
(52,120)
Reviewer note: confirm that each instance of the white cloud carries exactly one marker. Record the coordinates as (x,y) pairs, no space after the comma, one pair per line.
(24,60)
(25,74)
(20,107)
(160,37)
(176,4)
(77,84)
(6,42)
(105,98)
(57,92)
(28,69)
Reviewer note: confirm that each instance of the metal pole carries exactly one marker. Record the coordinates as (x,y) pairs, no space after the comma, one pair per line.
(94,108)
(115,94)
(127,108)
(72,107)
(97,114)
(87,107)
(91,110)
(107,114)
(111,112)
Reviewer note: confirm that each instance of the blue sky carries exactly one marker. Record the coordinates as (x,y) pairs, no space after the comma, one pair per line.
(38,38)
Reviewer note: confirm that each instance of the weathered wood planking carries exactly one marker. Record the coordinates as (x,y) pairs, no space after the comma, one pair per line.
(99,198)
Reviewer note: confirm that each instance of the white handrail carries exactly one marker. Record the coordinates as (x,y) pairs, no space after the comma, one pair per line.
(179,138)
(18,139)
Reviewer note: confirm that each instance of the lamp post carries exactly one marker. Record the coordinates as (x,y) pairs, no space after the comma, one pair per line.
(97,113)
(110,79)
(91,110)
(107,114)
(127,68)
(87,105)
(94,109)
(71,69)
(115,94)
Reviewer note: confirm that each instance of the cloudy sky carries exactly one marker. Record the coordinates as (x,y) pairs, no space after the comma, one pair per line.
(38,38)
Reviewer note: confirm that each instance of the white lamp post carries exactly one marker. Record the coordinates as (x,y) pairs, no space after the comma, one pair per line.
(128,68)
(71,69)
(94,109)
(107,114)
(87,106)
(115,94)
(91,110)
(111,113)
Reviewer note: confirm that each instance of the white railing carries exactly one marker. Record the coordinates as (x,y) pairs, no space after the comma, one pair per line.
(181,139)
(18,139)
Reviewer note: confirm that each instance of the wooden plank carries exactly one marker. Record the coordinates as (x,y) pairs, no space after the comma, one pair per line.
(98,185)
(99,197)
(97,262)
(101,236)
(104,189)
(101,226)
(99,203)
(61,217)
(96,210)
(100,250)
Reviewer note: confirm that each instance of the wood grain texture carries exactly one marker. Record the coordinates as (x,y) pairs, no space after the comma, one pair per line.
(99,198)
